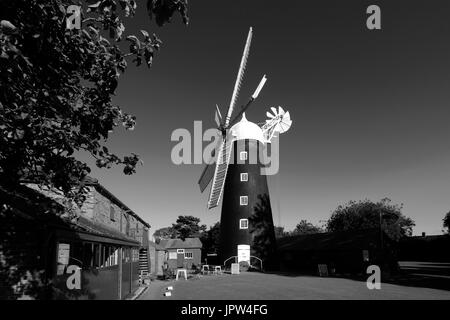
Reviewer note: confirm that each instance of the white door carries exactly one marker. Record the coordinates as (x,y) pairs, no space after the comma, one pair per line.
(243,253)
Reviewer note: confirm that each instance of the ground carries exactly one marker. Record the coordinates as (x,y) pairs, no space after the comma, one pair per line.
(259,286)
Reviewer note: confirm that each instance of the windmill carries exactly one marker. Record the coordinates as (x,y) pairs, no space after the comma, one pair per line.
(235,178)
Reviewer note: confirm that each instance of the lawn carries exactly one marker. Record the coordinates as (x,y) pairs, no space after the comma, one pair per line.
(259,286)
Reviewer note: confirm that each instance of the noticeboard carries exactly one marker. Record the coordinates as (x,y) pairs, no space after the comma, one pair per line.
(63,253)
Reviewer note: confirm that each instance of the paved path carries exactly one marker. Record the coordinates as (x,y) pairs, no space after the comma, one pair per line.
(256,286)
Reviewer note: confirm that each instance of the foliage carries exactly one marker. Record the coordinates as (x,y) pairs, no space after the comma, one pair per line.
(305,227)
(447,222)
(57,86)
(188,227)
(211,239)
(262,230)
(56,89)
(163,233)
(280,232)
(357,215)
(184,227)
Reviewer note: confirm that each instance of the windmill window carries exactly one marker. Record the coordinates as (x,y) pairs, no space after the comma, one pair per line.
(244,176)
(243,155)
(243,200)
(188,255)
(243,224)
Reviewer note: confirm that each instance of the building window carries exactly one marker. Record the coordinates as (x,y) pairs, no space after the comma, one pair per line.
(127,227)
(172,255)
(243,200)
(88,255)
(243,224)
(180,251)
(96,255)
(244,176)
(103,256)
(188,255)
(112,213)
(243,155)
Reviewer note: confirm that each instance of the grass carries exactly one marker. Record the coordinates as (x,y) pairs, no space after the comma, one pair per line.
(260,286)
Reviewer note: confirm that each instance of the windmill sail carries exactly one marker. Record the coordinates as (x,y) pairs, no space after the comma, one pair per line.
(220,173)
(208,172)
(206,177)
(240,76)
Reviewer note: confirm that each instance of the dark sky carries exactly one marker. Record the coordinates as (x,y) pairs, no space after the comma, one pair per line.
(370,108)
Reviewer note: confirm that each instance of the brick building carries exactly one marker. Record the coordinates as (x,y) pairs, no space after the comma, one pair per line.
(182,253)
(98,255)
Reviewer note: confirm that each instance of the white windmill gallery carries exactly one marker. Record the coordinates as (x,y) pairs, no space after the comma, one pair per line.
(236,172)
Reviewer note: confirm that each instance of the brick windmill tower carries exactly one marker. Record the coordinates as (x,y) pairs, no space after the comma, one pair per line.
(237,175)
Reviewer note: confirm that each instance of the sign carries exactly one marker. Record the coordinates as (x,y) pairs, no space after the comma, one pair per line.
(60,269)
(235,268)
(243,252)
(63,253)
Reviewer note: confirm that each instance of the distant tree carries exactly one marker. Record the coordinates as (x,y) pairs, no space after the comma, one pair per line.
(280,233)
(57,86)
(357,215)
(163,233)
(262,232)
(210,239)
(188,227)
(447,222)
(305,227)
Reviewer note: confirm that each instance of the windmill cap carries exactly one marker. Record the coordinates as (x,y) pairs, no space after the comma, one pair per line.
(245,129)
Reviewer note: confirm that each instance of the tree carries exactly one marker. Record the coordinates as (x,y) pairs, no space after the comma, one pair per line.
(56,89)
(60,84)
(357,215)
(188,227)
(305,227)
(447,222)
(210,239)
(163,233)
(262,232)
(280,233)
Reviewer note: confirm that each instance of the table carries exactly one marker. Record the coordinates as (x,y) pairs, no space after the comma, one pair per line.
(181,271)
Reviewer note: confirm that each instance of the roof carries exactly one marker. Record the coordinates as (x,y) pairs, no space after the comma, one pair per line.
(428,238)
(348,240)
(188,243)
(89,181)
(33,204)
(95,228)
(245,129)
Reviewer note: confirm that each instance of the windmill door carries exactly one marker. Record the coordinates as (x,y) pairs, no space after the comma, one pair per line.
(180,258)
(244,253)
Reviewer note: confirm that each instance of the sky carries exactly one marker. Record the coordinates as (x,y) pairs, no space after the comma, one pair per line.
(370,108)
